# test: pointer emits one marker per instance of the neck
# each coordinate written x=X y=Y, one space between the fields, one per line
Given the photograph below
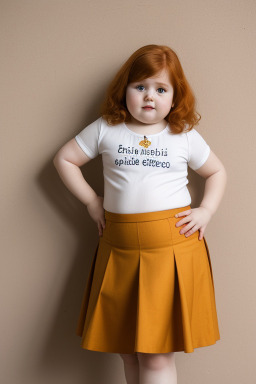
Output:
x=146 y=129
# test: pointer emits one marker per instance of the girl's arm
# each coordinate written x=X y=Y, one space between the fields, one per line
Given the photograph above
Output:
x=67 y=162
x=216 y=178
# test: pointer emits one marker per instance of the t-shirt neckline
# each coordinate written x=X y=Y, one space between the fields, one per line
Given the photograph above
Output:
x=142 y=135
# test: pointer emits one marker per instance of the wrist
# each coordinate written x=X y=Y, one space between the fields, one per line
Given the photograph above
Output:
x=210 y=210
x=92 y=199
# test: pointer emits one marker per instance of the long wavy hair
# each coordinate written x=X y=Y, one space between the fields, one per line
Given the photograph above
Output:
x=146 y=62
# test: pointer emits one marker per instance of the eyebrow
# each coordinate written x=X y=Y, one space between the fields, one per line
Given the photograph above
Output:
x=162 y=84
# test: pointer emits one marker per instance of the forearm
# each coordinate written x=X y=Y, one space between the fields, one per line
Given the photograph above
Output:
x=72 y=177
x=214 y=190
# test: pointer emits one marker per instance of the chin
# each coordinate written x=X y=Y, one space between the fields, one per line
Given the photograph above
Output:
x=150 y=121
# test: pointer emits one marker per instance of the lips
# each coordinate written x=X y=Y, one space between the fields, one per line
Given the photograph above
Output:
x=148 y=107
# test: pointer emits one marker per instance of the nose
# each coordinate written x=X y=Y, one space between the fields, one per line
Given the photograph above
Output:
x=149 y=95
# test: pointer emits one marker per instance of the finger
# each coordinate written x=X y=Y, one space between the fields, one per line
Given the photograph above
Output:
x=201 y=234
x=192 y=230
x=103 y=225
x=99 y=229
x=190 y=223
x=184 y=213
x=187 y=228
x=185 y=220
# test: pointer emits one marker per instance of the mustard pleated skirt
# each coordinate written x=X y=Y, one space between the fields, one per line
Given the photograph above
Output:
x=150 y=289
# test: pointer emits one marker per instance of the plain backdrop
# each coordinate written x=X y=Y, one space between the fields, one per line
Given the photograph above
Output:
x=57 y=57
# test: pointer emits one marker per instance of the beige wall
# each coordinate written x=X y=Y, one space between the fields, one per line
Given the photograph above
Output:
x=56 y=59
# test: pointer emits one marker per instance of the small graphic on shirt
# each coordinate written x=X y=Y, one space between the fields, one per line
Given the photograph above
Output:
x=145 y=143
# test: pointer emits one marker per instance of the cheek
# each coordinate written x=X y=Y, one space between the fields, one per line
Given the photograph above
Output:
x=167 y=104
x=131 y=99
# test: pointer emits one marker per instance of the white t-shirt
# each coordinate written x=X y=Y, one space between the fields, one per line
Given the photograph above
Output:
x=143 y=176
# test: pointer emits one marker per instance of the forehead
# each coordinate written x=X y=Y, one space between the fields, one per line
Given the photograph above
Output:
x=161 y=77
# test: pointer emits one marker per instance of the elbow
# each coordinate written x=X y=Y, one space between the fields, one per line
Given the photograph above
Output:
x=59 y=161
x=56 y=160
x=224 y=171
x=226 y=176
x=223 y=174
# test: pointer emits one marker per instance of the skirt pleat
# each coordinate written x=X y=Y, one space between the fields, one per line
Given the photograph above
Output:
x=149 y=288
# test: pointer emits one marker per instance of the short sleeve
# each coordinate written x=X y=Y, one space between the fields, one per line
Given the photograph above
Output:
x=88 y=139
x=198 y=149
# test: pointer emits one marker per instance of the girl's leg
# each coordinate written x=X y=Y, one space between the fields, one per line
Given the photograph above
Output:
x=131 y=367
x=157 y=368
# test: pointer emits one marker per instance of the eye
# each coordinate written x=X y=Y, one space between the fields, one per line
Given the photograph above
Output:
x=139 y=87
x=162 y=89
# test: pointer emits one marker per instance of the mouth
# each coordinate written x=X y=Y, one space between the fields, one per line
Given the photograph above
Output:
x=148 y=107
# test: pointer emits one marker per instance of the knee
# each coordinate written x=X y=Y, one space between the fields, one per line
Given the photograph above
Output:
x=156 y=361
x=129 y=358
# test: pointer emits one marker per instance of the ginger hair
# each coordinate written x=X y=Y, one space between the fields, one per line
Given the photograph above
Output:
x=146 y=62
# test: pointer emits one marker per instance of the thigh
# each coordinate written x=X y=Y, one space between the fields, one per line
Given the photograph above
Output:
x=129 y=358
x=156 y=360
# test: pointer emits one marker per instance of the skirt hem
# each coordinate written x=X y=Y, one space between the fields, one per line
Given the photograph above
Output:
x=146 y=351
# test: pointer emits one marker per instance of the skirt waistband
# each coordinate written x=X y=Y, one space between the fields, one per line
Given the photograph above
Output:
x=144 y=216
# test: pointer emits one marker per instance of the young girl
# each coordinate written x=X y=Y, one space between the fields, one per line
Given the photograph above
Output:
x=150 y=291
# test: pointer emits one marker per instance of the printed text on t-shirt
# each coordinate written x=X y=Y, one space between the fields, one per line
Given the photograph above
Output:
x=146 y=157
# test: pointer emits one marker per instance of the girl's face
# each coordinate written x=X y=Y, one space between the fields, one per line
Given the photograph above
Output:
x=149 y=101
